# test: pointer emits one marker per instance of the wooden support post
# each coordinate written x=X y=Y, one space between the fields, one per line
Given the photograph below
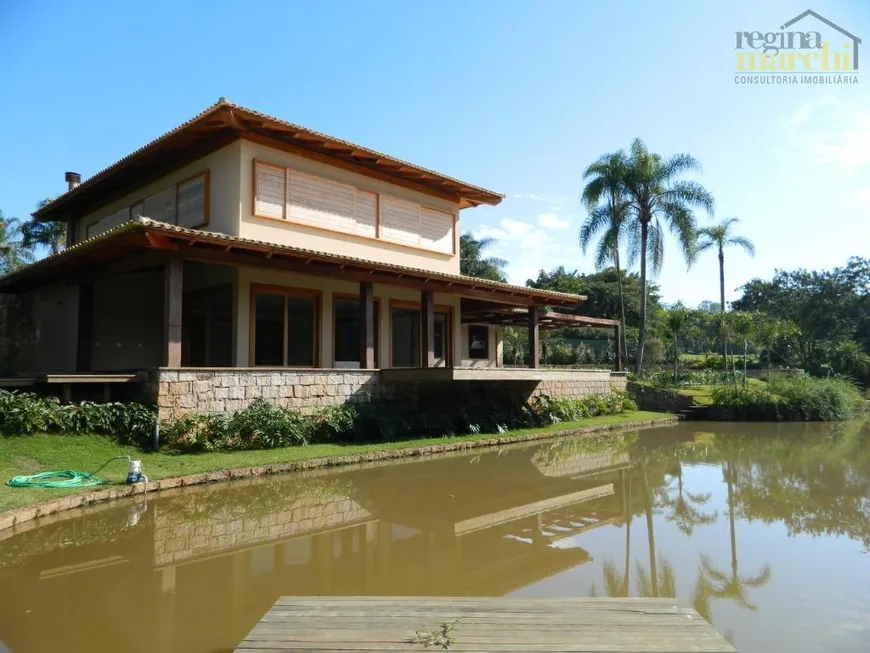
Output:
x=85 y=335
x=534 y=338
x=173 y=276
x=618 y=342
x=427 y=328
x=366 y=327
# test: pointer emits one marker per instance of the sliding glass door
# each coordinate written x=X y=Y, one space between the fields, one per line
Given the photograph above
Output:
x=284 y=327
x=405 y=338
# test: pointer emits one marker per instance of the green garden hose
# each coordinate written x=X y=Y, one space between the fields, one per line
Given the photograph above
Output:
x=65 y=478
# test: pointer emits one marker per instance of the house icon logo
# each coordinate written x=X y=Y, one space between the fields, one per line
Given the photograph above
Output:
x=808 y=49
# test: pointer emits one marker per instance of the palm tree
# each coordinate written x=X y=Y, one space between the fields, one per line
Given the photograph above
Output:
x=743 y=325
x=472 y=262
x=658 y=198
x=13 y=253
x=606 y=184
x=49 y=234
x=675 y=321
x=719 y=237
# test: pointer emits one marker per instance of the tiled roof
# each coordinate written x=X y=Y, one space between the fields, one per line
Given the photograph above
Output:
x=211 y=237
x=237 y=119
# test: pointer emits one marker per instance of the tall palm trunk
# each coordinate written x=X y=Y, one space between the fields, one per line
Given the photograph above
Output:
x=722 y=306
x=644 y=237
x=621 y=306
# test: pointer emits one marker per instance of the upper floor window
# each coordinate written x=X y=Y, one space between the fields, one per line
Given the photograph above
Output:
x=285 y=194
x=185 y=204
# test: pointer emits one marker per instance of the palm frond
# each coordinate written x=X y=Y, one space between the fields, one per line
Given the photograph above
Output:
x=745 y=243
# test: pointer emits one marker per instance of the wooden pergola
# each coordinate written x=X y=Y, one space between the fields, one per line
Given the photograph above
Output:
x=536 y=319
x=143 y=243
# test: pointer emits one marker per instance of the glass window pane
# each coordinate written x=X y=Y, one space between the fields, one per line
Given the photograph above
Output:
x=347 y=326
x=301 y=331
x=441 y=336
x=269 y=329
x=478 y=342
x=406 y=337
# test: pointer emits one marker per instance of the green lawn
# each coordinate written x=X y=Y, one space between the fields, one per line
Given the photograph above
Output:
x=703 y=394
x=86 y=453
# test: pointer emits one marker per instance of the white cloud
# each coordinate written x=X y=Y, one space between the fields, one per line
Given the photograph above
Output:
x=832 y=131
x=552 y=221
x=554 y=200
x=806 y=110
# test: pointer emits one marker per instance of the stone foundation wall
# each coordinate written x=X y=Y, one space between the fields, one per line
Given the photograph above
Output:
x=179 y=392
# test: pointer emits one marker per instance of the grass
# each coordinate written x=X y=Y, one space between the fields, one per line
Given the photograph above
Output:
x=86 y=453
x=703 y=394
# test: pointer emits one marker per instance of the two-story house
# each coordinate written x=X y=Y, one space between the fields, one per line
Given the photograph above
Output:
x=239 y=247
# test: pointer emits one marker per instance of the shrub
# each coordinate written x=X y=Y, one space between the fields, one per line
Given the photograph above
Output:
x=24 y=413
x=665 y=378
x=801 y=398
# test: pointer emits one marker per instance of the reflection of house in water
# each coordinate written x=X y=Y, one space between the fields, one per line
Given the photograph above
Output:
x=465 y=525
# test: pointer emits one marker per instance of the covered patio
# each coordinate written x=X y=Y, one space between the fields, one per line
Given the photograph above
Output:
x=150 y=260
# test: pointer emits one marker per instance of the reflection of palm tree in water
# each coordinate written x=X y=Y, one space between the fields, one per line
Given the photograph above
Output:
x=733 y=586
x=685 y=507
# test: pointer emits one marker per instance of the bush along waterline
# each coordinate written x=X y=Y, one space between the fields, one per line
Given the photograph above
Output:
x=264 y=425
x=802 y=398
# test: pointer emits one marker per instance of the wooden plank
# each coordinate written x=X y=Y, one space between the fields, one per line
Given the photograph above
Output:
x=534 y=338
x=482 y=624
x=366 y=326
x=427 y=328
x=173 y=284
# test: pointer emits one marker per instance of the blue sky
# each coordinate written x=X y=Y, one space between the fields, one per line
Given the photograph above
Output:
x=514 y=96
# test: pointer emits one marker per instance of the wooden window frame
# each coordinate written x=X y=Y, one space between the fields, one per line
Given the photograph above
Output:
x=378 y=237
x=254 y=189
x=206 y=207
x=376 y=299
x=439 y=308
x=286 y=291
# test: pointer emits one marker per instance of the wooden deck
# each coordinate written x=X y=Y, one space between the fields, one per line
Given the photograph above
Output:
x=483 y=624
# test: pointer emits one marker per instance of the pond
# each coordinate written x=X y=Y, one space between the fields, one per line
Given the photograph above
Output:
x=764 y=528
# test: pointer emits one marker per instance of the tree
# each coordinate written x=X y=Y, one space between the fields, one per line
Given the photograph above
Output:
x=658 y=198
x=826 y=308
x=604 y=198
x=743 y=325
x=675 y=321
x=48 y=234
x=719 y=237
x=13 y=253
x=472 y=262
x=601 y=290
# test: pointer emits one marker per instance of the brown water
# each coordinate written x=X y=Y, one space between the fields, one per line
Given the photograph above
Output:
x=764 y=528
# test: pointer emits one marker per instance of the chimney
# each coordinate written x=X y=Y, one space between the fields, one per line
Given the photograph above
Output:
x=73 y=179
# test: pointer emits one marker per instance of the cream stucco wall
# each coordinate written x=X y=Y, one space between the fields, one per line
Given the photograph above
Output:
x=384 y=293
x=224 y=199
x=287 y=233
